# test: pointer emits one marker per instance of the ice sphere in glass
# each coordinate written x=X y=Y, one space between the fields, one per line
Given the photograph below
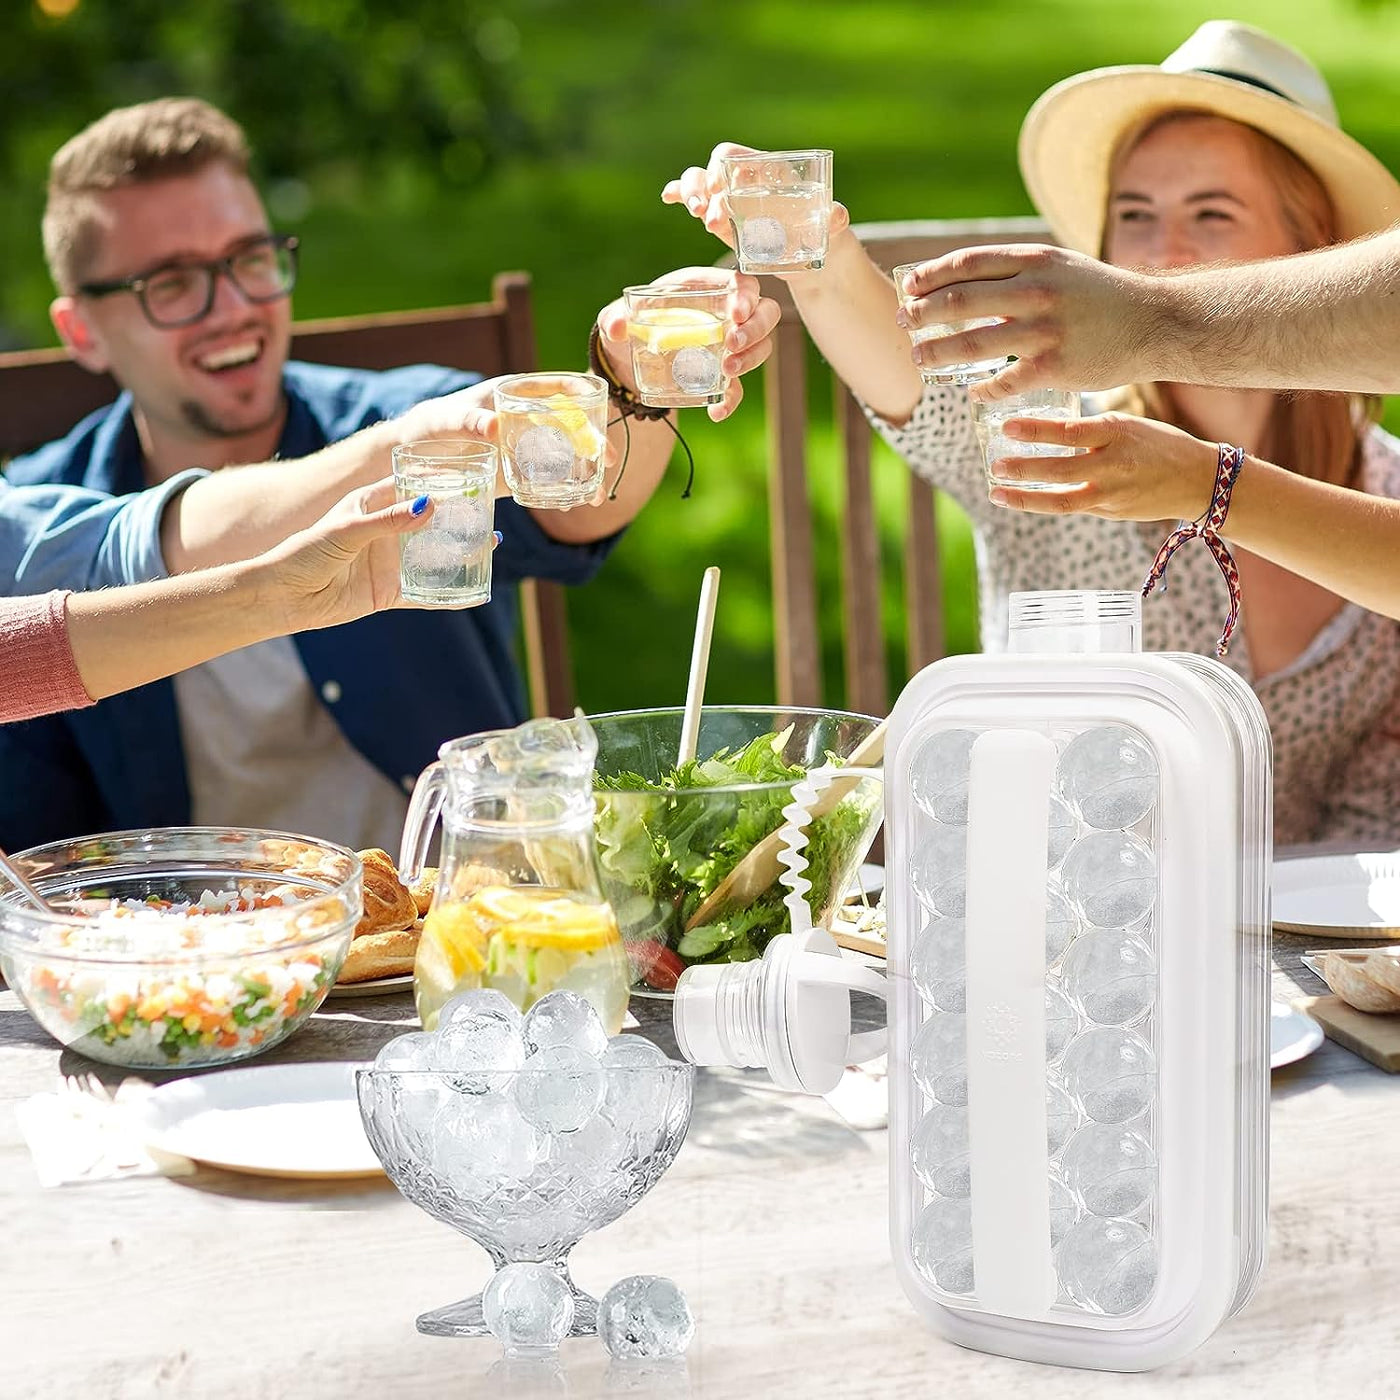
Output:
x=940 y=1148
x=1062 y=1114
x=939 y=964
x=645 y=1316
x=1061 y=922
x=1113 y=1168
x=942 y=1244
x=1109 y=1266
x=938 y=871
x=559 y=1089
x=938 y=1057
x=1113 y=1073
x=939 y=772
x=478 y=1033
x=564 y=1018
x=411 y=1051
x=1064 y=1209
x=1064 y=828
x=1112 y=877
x=1110 y=775
x=527 y=1307
x=1061 y=1021
x=1112 y=974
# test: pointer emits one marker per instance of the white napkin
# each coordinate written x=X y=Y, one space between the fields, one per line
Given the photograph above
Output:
x=83 y=1134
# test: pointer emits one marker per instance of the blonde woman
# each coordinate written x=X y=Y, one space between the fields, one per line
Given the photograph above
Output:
x=1230 y=151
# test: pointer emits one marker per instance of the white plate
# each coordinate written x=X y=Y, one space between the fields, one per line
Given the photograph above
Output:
x=1356 y=896
x=276 y=1120
x=1293 y=1035
x=375 y=987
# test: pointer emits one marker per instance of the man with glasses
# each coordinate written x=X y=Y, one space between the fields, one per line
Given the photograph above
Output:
x=170 y=278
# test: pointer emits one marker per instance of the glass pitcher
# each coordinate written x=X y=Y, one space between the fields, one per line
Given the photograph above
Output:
x=518 y=904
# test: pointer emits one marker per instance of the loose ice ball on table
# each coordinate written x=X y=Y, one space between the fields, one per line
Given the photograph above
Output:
x=527 y=1307
x=942 y=1244
x=645 y=1316
x=1112 y=974
x=939 y=964
x=1113 y=1168
x=938 y=871
x=1112 y=877
x=1110 y=775
x=940 y=1150
x=939 y=772
x=564 y=1018
x=559 y=1088
x=478 y=1040
x=1109 y=1266
x=1113 y=1072
x=938 y=1057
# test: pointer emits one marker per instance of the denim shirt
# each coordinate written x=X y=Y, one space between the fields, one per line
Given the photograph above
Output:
x=407 y=680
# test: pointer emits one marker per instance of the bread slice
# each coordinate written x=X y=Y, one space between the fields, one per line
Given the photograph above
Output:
x=388 y=954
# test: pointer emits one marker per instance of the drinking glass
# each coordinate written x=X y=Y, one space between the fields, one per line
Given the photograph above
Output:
x=677 y=336
x=553 y=435
x=447 y=563
x=989 y=420
x=967 y=373
x=780 y=209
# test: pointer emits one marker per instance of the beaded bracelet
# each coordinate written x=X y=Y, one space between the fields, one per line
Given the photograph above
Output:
x=1207 y=527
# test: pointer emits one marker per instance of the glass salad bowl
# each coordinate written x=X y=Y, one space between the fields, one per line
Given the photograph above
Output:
x=667 y=838
x=180 y=947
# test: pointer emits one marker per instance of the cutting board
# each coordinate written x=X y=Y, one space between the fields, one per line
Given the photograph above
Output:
x=1375 y=1038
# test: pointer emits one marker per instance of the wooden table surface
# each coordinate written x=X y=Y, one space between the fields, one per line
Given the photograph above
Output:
x=773 y=1221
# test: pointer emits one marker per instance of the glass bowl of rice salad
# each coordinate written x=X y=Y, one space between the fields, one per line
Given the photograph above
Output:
x=181 y=947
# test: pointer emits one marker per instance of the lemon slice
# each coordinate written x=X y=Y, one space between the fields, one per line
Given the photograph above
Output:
x=664 y=329
x=538 y=918
x=563 y=413
x=452 y=943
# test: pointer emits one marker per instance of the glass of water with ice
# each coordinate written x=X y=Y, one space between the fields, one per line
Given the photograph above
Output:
x=447 y=563
x=677 y=336
x=553 y=436
x=968 y=372
x=780 y=209
x=989 y=420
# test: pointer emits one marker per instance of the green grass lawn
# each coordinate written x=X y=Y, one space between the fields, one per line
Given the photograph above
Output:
x=921 y=103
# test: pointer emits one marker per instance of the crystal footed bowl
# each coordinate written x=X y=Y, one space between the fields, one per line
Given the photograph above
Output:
x=664 y=850
x=180 y=947
x=520 y=1168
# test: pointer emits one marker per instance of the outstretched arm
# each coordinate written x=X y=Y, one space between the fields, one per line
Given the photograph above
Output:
x=1323 y=320
x=1138 y=469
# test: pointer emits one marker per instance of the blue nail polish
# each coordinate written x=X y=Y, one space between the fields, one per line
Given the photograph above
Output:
x=419 y=506
x=498 y=535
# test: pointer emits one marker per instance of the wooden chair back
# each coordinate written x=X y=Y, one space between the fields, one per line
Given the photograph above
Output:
x=44 y=394
x=795 y=602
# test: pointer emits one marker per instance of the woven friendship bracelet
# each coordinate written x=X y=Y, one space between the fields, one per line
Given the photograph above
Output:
x=1207 y=528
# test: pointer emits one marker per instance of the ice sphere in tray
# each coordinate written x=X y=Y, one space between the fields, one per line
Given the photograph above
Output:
x=527 y=1308
x=1064 y=1209
x=645 y=1316
x=1063 y=831
x=1108 y=1266
x=1062 y=1116
x=478 y=1040
x=942 y=1244
x=939 y=772
x=1112 y=974
x=564 y=1018
x=938 y=1057
x=1113 y=1073
x=1061 y=1021
x=559 y=1089
x=1061 y=922
x=938 y=871
x=1112 y=877
x=1110 y=775
x=1113 y=1168
x=411 y=1051
x=939 y=964
x=939 y=1152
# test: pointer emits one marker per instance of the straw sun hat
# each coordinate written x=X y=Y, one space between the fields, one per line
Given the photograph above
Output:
x=1070 y=136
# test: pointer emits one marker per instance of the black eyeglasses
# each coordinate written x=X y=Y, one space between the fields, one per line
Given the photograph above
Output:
x=263 y=269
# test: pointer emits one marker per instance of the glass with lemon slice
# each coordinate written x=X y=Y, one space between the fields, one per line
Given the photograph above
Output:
x=677 y=336
x=553 y=435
